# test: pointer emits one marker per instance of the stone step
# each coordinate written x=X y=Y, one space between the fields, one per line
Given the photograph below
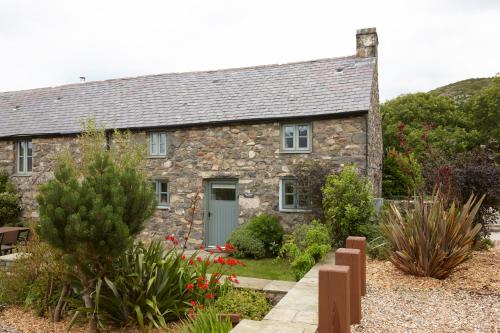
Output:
x=270 y=326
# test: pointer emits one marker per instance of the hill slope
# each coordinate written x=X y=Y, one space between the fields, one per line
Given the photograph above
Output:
x=461 y=90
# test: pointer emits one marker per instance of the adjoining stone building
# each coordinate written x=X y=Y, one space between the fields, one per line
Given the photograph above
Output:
x=236 y=134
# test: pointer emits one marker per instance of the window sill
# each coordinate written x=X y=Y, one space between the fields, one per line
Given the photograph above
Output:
x=156 y=156
x=296 y=151
x=163 y=207
x=293 y=210
x=22 y=174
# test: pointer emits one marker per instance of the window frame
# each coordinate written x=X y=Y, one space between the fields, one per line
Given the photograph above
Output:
x=296 y=194
x=155 y=143
x=24 y=143
x=158 y=192
x=296 y=148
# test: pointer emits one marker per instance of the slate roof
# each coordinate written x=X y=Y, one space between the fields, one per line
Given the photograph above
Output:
x=310 y=88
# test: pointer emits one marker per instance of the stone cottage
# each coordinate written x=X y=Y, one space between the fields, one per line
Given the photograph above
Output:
x=234 y=133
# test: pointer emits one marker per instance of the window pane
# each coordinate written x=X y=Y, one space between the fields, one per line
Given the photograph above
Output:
x=303 y=130
x=154 y=144
x=164 y=187
x=226 y=194
x=288 y=131
x=303 y=201
x=163 y=143
x=302 y=142
x=163 y=199
x=289 y=187
x=21 y=148
x=30 y=148
x=289 y=200
x=20 y=164
x=288 y=142
x=30 y=164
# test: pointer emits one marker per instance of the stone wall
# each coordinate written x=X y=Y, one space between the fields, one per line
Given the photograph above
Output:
x=375 y=151
x=247 y=152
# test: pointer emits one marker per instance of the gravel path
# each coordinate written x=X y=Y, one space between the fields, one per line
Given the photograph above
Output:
x=436 y=310
x=7 y=329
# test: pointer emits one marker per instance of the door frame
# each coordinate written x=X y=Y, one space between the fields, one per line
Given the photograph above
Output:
x=206 y=202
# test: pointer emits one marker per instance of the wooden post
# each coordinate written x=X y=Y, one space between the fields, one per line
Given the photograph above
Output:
x=351 y=258
x=333 y=300
x=359 y=243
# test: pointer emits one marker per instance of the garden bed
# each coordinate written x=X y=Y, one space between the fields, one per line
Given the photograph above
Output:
x=269 y=268
x=467 y=301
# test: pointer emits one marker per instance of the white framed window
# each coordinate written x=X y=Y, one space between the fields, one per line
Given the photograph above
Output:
x=296 y=138
x=162 y=191
x=24 y=149
x=158 y=144
x=293 y=196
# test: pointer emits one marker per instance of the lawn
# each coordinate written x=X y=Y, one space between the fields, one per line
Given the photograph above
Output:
x=269 y=268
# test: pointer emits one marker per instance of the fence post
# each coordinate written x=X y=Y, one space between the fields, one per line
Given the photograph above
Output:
x=351 y=258
x=334 y=299
x=354 y=242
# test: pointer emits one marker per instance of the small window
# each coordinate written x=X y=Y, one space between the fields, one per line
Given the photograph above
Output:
x=293 y=196
x=162 y=190
x=24 y=156
x=296 y=138
x=158 y=144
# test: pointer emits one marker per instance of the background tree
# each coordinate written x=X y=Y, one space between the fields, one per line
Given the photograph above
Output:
x=92 y=210
x=10 y=203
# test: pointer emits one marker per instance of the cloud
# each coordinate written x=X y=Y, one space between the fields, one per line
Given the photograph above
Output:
x=423 y=44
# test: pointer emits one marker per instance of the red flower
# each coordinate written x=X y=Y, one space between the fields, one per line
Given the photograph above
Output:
x=191 y=262
x=172 y=239
x=189 y=287
x=193 y=303
x=210 y=296
x=219 y=248
x=207 y=262
x=201 y=279
x=199 y=259
x=221 y=260
x=183 y=258
x=212 y=251
x=202 y=247
x=227 y=248
x=203 y=286
x=216 y=274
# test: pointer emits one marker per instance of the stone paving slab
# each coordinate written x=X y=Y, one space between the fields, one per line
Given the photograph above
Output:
x=270 y=326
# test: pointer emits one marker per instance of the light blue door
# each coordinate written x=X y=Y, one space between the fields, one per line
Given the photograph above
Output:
x=222 y=210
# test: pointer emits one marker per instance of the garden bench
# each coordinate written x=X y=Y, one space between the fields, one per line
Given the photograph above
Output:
x=9 y=236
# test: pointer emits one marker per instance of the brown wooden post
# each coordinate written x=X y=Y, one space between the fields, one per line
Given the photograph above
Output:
x=334 y=299
x=351 y=258
x=359 y=243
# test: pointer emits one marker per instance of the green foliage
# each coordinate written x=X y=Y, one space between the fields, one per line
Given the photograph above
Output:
x=92 y=211
x=268 y=230
x=402 y=174
x=431 y=240
x=424 y=120
x=305 y=246
x=483 y=112
x=249 y=304
x=10 y=203
x=205 y=321
x=462 y=90
x=347 y=203
x=246 y=244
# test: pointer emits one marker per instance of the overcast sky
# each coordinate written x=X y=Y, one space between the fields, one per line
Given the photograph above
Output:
x=423 y=43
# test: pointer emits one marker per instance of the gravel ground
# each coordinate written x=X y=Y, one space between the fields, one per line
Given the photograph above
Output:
x=467 y=301
x=7 y=329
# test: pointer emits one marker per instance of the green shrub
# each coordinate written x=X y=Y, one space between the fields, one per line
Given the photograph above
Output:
x=250 y=304
x=347 y=203
x=305 y=246
x=10 y=203
x=205 y=321
x=268 y=230
x=379 y=248
x=402 y=174
x=246 y=244
x=431 y=239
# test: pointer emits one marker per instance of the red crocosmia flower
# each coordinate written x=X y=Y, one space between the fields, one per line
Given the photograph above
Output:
x=216 y=280
x=191 y=262
x=203 y=286
x=227 y=248
x=199 y=259
x=233 y=275
x=236 y=281
x=212 y=251
x=221 y=260
x=202 y=247
x=183 y=258
x=210 y=296
x=216 y=274
x=219 y=248
x=207 y=262
x=200 y=306
x=193 y=303
x=201 y=279
x=190 y=286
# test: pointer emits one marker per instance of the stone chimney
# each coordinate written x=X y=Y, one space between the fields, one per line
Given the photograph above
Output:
x=366 y=43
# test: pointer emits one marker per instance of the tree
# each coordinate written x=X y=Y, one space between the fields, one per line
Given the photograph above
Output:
x=92 y=210
x=347 y=203
x=402 y=174
x=10 y=204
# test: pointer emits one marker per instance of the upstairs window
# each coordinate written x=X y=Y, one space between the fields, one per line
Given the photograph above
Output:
x=24 y=150
x=293 y=196
x=158 y=144
x=296 y=138
x=162 y=191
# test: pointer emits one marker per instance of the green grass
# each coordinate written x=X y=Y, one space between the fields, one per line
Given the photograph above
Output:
x=268 y=268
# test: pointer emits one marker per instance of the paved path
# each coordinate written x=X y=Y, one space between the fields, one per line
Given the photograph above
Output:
x=297 y=312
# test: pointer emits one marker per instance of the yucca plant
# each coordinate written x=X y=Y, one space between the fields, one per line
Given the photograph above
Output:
x=207 y=320
x=432 y=239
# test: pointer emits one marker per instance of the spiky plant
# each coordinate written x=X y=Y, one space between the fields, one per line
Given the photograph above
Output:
x=431 y=239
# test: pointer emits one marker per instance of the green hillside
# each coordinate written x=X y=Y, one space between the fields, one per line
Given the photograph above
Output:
x=461 y=90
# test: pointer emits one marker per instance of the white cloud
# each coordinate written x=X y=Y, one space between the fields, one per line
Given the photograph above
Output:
x=423 y=44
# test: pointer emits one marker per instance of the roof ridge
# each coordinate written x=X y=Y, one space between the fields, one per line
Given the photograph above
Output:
x=188 y=72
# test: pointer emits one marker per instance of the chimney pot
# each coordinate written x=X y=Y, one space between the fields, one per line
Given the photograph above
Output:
x=82 y=79
x=366 y=43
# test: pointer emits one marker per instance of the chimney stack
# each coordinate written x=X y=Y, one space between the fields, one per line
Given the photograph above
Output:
x=366 y=43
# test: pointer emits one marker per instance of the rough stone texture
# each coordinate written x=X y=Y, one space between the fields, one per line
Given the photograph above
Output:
x=247 y=152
